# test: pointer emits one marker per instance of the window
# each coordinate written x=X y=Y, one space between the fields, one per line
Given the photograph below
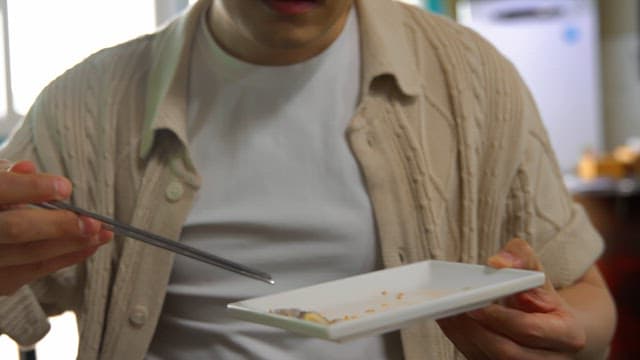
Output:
x=3 y=75
x=48 y=37
x=5 y=110
x=61 y=343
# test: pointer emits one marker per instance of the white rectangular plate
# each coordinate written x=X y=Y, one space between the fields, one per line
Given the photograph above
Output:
x=389 y=299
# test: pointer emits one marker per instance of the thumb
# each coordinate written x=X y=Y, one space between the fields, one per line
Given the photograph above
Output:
x=518 y=254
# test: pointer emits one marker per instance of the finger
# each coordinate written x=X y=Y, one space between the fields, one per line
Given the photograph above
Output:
x=532 y=330
x=14 y=277
x=6 y=165
x=105 y=235
x=23 y=167
x=535 y=300
x=47 y=267
x=478 y=342
x=38 y=251
x=516 y=254
x=461 y=331
x=26 y=225
x=16 y=188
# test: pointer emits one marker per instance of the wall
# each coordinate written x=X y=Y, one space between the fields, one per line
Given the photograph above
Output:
x=621 y=69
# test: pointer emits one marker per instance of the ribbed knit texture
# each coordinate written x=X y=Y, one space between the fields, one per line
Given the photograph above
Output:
x=453 y=153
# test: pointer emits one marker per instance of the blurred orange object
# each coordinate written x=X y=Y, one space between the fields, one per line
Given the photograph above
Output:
x=588 y=166
x=622 y=162
x=626 y=155
x=609 y=167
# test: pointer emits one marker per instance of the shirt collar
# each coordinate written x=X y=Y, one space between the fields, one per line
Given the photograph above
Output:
x=385 y=45
x=385 y=51
x=166 y=103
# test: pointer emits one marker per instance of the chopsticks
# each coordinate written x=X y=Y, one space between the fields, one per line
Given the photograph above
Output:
x=161 y=242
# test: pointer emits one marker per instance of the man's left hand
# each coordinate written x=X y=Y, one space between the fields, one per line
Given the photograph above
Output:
x=535 y=324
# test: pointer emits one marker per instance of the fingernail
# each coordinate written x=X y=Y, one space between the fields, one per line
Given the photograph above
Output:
x=62 y=188
x=105 y=236
x=81 y=226
x=512 y=259
x=95 y=240
x=84 y=225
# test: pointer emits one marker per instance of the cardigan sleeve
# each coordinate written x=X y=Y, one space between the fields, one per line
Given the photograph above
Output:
x=557 y=227
x=539 y=208
x=22 y=318
x=23 y=315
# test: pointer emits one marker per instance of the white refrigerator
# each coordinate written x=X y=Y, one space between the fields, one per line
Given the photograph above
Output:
x=554 y=45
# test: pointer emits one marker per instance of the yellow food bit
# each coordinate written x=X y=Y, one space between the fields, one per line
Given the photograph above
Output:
x=303 y=315
x=400 y=296
x=370 y=310
x=314 y=317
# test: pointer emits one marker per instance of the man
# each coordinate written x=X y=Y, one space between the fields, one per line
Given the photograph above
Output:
x=314 y=140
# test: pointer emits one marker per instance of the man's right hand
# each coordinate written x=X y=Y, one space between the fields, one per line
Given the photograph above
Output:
x=35 y=242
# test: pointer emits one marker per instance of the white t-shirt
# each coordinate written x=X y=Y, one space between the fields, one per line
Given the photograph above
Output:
x=281 y=192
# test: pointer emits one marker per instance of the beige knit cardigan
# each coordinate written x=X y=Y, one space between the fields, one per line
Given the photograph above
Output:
x=454 y=156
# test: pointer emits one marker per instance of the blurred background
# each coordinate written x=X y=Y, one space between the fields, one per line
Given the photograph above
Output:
x=581 y=59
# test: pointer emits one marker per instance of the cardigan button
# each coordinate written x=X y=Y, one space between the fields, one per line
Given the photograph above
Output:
x=174 y=191
x=138 y=316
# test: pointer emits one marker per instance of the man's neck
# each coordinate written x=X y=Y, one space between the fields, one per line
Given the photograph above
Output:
x=238 y=43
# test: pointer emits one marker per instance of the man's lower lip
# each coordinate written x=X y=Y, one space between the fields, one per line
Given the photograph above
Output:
x=292 y=7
